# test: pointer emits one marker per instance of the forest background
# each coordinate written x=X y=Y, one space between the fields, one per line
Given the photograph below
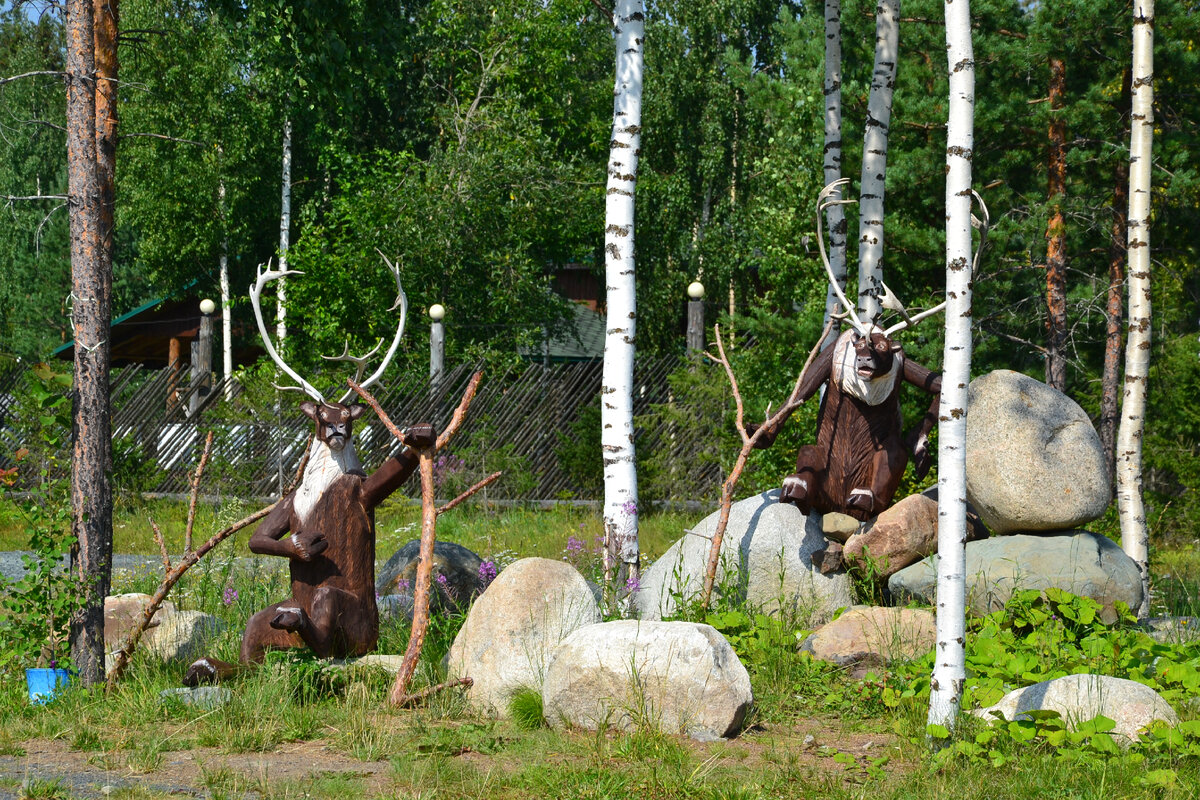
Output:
x=468 y=141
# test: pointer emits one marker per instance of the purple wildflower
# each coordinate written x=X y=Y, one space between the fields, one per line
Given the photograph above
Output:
x=629 y=507
x=574 y=546
x=403 y=585
x=487 y=573
x=229 y=596
x=632 y=584
x=441 y=579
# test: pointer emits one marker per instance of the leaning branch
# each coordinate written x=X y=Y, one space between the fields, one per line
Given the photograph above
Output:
x=488 y=481
x=748 y=441
x=174 y=574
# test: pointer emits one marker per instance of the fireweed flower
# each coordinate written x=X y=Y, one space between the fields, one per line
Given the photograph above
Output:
x=230 y=595
x=629 y=507
x=632 y=584
x=487 y=573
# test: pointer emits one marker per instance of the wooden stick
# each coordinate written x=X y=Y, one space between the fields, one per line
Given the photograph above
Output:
x=191 y=518
x=429 y=691
x=748 y=442
x=420 y=623
x=162 y=545
x=173 y=575
x=488 y=481
x=429 y=512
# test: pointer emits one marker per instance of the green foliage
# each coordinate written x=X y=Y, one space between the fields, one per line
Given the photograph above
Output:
x=37 y=608
x=525 y=707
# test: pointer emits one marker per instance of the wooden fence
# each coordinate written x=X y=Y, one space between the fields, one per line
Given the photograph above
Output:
x=540 y=424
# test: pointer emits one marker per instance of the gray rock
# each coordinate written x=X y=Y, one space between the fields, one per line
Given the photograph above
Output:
x=674 y=677
x=765 y=561
x=1079 y=698
x=1173 y=630
x=1079 y=562
x=185 y=635
x=206 y=697
x=874 y=636
x=1034 y=461
x=458 y=565
x=506 y=641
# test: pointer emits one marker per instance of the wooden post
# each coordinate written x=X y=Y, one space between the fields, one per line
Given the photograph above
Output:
x=202 y=359
x=174 y=365
x=437 y=345
x=695 y=318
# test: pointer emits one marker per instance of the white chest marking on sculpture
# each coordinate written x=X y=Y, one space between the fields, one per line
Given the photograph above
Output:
x=324 y=467
x=871 y=391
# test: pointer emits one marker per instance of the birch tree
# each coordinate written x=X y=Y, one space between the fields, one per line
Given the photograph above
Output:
x=285 y=226
x=1135 y=535
x=616 y=413
x=874 y=161
x=949 y=669
x=836 y=213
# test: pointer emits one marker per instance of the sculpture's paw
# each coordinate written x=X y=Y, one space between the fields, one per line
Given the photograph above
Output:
x=862 y=500
x=309 y=544
x=206 y=670
x=289 y=619
x=795 y=490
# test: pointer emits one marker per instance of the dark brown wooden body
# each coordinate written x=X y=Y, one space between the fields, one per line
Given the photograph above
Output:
x=860 y=447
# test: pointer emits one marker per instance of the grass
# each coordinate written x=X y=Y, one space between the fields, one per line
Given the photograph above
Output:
x=814 y=732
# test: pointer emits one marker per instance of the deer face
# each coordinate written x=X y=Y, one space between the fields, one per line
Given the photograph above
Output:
x=334 y=422
x=874 y=354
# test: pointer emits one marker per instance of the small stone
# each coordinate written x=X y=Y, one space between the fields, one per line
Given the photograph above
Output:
x=828 y=560
x=107 y=789
x=839 y=527
x=808 y=741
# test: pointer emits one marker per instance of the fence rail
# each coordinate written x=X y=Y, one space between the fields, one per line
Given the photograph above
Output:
x=535 y=422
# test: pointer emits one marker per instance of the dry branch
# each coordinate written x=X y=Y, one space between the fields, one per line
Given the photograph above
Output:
x=429 y=691
x=748 y=441
x=174 y=574
x=398 y=696
x=488 y=481
x=191 y=518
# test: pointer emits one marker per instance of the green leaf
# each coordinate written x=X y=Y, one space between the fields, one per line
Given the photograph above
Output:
x=935 y=731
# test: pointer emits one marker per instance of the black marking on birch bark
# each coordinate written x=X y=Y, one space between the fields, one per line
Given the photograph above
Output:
x=613 y=332
x=628 y=177
x=619 y=230
x=632 y=130
x=966 y=63
x=615 y=190
x=636 y=16
x=957 y=264
x=616 y=143
x=835 y=86
x=613 y=251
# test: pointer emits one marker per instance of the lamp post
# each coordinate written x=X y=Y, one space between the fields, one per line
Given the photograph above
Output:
x=202 y=358
x=437 y=344
x=695 y=317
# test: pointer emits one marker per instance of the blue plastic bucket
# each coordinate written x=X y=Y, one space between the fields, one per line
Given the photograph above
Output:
x=44 y=683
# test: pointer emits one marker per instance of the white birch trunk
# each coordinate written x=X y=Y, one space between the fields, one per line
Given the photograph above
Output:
x=949 y=668
x=874 y=162
x=1135 y=535
x=285 y=224
x=226 y=310
x=616 y=411
x=835 y=216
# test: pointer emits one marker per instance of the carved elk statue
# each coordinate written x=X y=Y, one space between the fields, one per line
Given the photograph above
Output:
x=326 y=527
x=860 y=455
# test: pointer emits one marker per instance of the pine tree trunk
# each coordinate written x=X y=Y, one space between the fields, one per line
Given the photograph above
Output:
x=1056 y=260
x=874 y=162
x=616 y=414
x=949 y=669
x=1135 y=535
x=91 y=287
x=1110 y=380
x=285 y=225
x=835 y=215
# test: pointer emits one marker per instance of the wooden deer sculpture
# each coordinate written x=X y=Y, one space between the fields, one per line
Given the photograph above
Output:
x=326 y=527
x=856 y=465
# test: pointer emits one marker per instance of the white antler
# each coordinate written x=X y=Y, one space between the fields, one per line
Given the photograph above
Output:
x=261 y=280
x=402 y=303
x=890 y=301
x=835 y=188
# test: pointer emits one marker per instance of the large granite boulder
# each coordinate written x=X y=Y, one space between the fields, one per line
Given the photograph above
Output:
x=123 y=614
x=1034 y=461
x=1079 y=698
x=674 y=677
x=871 y=636
x=455 y=573
x=765 y=561
x=506 y=641
x=185 y=636
x=1079 y=562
